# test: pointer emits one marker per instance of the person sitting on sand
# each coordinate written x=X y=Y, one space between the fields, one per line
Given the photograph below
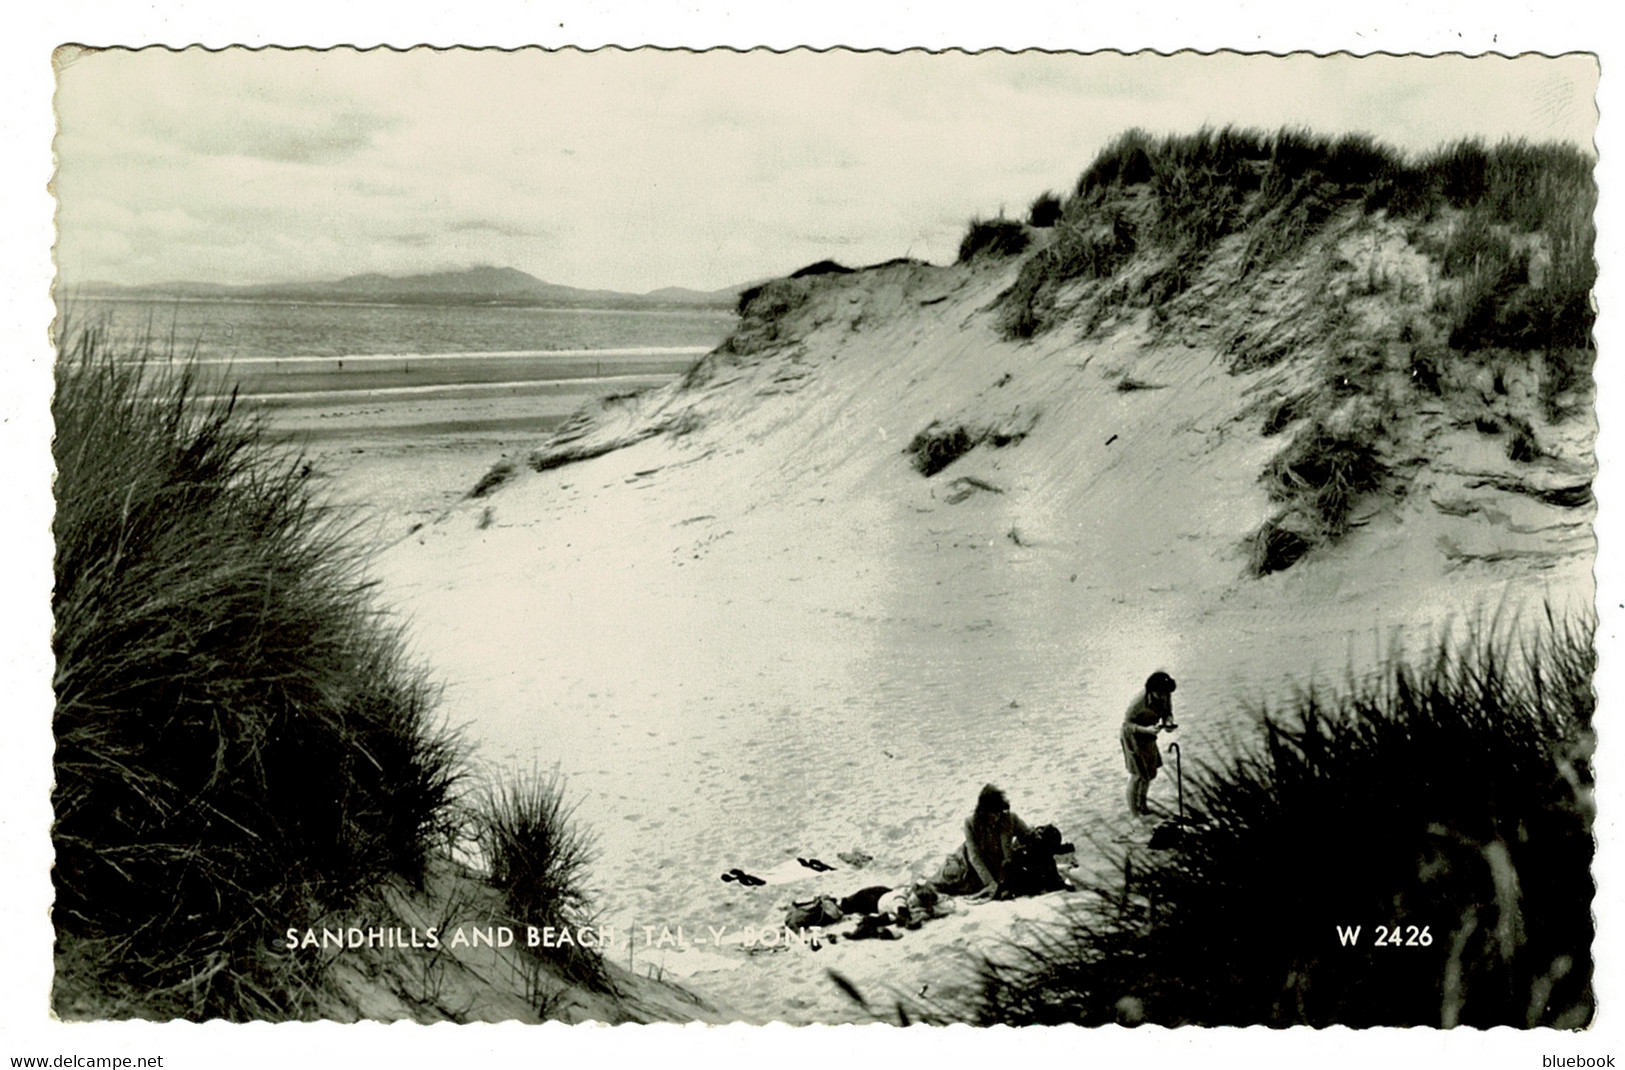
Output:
x=977 y=869
x=1151 y=712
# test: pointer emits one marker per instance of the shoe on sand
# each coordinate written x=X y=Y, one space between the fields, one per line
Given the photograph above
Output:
x=873 y=927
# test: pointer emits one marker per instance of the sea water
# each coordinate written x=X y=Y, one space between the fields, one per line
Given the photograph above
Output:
x=235 y=330
x=427 y=367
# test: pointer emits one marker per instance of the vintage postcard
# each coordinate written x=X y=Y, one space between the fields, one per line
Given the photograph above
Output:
x=645 y=535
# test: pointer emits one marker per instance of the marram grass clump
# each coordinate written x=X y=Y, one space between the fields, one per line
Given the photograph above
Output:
x=996 y=237
x=241 y=745
x=1519 y=261
x=1318 y=479
x=1443 y=808
x=1185 y=232
x=537 y=856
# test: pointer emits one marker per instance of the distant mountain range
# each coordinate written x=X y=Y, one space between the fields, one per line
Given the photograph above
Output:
x=474 y=286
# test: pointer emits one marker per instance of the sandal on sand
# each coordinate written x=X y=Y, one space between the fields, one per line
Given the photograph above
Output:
x=815 y=865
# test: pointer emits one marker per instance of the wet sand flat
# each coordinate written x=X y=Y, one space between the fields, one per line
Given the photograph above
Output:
x=296 y=379
x=398 y=450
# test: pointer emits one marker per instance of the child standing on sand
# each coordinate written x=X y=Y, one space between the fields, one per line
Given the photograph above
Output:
x=1152 y=711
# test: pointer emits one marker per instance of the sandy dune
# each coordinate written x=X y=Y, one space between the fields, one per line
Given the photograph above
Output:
x=765 y=635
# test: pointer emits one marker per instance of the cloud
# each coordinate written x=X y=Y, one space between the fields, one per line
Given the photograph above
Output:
x=634 y=170
x=278 y=106
x=492 y=226
x=319 y=138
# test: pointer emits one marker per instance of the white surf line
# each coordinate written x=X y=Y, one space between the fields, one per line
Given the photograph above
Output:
x=501 y=354
x=532 y=385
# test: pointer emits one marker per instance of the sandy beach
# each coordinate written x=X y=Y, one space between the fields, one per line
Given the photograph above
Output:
x=771 y=638
x=756 y=454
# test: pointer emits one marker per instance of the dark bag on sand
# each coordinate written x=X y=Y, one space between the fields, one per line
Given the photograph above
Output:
x=864 y=901
x=1031 y=869
x=808 y=913
x=956 y=877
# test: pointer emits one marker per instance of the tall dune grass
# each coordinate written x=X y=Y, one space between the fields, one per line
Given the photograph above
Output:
x=537 y=857
x=241 y=745
x=1505 y=233
x=1452 y=794
x=998 y=237
x=1280 y=189
x=1045 y=211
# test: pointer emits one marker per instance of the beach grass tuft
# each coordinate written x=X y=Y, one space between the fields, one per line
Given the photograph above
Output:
x=996 y=237
x=1045 y=211
x=242 y=746
x=495 y=476
x=537 y=856
x=1519 y=250
x=937 y=447
x=1323 y=472
x=1443 y=807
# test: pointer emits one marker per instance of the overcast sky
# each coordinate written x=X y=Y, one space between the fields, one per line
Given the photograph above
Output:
x=636 y=170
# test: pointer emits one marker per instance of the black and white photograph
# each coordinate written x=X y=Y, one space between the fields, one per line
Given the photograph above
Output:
x=1042 y=536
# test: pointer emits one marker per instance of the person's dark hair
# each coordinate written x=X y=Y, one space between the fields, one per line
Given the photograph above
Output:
x=1160 y=683
x=991 y=801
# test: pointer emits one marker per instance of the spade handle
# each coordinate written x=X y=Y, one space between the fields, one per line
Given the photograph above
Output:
x=1179 y=778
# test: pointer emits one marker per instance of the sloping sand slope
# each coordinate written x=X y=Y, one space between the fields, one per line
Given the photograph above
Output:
x=747 y=629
